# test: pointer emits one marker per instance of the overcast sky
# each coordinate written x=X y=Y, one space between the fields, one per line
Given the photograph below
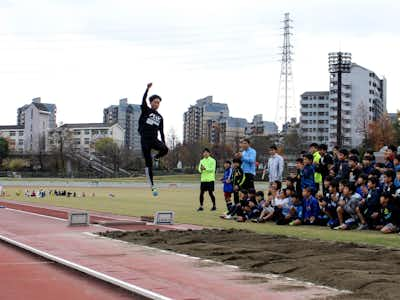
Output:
x=85 y=55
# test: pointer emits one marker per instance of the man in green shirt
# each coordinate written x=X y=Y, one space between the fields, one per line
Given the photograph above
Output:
x=207 y=169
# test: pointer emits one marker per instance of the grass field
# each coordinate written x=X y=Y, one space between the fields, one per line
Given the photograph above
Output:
x=184 y=202
x=189 y=178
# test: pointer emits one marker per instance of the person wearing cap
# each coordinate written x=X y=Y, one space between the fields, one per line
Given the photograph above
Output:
x=207 y=169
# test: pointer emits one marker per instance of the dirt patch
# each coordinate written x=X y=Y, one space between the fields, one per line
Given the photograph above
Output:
x=369 y=272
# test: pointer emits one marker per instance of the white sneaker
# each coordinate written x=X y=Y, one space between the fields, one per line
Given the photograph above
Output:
x=340 y=227
x=362 y=227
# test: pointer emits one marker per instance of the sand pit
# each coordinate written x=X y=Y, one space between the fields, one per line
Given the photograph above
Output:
x=369 y=272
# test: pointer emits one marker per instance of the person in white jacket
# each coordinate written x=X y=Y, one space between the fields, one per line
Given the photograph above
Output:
x=275 y=165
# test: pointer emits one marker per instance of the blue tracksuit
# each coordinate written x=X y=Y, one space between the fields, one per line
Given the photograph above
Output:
x=307 y=177
x=228 y=187
x=299 y=211
x=311 y=208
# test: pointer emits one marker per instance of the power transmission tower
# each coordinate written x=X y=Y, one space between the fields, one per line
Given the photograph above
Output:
x=286 y=103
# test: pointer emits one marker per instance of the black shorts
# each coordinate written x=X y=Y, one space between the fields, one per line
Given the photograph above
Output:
x=207 y=186
x=248 y=181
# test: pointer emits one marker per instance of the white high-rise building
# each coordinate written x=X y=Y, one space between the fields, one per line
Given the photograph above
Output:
x=314 y=117
x=36 y=128
x=363 y=101
x=127 y=115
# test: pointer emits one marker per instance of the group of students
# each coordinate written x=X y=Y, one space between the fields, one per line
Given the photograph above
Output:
x=41 y=193
x=340 y=189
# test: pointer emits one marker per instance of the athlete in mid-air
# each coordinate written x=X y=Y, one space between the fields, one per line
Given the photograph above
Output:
x=150 y=123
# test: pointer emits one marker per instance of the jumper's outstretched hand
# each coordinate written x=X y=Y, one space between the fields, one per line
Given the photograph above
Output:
x=149 y=85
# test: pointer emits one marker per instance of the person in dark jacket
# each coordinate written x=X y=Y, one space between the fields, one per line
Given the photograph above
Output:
x=150 y=124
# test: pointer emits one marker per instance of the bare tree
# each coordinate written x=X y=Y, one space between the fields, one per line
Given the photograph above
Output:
x=363 y=123
x=61 y=144
x=381 y=132
x=109 y=150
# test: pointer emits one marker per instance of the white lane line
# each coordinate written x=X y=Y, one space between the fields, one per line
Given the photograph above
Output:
x=58 y=219
x=35 y=214
x=122 y=284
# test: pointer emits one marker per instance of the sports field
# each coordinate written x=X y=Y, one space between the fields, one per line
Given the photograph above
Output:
x=184 y=202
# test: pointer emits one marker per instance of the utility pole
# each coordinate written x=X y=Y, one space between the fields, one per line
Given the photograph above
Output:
x=339 y=63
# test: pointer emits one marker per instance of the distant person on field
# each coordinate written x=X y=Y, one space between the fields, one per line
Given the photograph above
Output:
x=238 y=179
x=275 y=165
x=313 y=149
x=207 y=169
x=227 y=182
x=248 y=157
x=307 y=174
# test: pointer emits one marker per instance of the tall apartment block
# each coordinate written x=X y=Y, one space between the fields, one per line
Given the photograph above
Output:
x=127 y=116
x=363 y=101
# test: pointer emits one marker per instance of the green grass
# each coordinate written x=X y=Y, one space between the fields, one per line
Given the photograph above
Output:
x=138 y=202
x=189 y=178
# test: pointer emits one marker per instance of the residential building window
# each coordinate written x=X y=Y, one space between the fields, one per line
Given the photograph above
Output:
x=87 y=141
x=87 y=131
x=21 y=133
x=12 y=133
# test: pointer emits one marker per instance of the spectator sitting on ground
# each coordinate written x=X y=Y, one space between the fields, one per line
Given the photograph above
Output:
x=347 y=212
x=251 y=209
x=369 y=206
x=322 y=218
x=389 y=214
x=296 y=210
x=325 y=188
x=388 y=182
x=267 y=211
x=283 y=215
x=299 y=169
x=355 y=169
x=329 y=208
x=311 y=209
x=362 y=185
x=238 y=208
x=367 y=166
x=396 y=163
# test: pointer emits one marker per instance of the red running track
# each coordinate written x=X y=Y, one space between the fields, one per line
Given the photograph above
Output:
x=171 y=275
x=25 y=276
